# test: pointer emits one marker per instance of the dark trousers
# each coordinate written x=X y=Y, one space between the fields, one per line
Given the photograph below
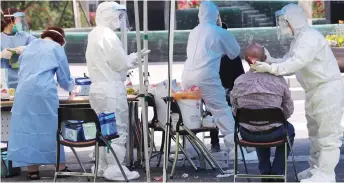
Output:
x=214 y=137
x=265 y=166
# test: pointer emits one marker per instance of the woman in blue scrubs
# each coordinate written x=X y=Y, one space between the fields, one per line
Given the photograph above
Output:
x=32 y=139
x=13 y=36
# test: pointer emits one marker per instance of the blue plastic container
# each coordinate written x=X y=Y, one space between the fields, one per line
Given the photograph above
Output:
x=108 y=124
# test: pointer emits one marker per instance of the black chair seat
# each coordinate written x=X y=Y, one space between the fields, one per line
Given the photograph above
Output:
x=272 y=116
x=261 y=144
x=78 y=144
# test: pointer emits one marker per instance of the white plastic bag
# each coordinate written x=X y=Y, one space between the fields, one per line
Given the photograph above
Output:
x=191 y=113
x=159 y=91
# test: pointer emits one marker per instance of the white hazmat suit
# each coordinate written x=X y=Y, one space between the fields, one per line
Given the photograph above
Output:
x=107 y=65
x=311 y=59
x=207 y=43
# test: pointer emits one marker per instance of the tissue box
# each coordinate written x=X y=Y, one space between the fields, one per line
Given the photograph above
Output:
x=73 y=131
x=89 y=131
x=84 y=86
x=108 y=124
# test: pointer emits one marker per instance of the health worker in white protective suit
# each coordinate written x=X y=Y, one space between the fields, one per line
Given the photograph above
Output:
x=311 y=59
x=107 y=65
x=207 y=43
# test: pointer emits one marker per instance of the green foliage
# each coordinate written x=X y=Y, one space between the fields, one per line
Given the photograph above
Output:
x=335 y=40
x=41 y=14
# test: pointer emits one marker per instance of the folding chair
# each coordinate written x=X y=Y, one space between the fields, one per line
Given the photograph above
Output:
x=154 y=126
x=272 y=116
x=200 y=148
x=86 y=116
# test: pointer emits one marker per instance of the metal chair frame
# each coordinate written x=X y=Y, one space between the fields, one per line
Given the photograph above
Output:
x=86 y=115
x=272 y=115
x=156 y=126
x=199 y=146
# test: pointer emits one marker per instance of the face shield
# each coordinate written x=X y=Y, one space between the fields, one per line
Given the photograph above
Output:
x=282 y=25
x=121 y=20
x=20 y=22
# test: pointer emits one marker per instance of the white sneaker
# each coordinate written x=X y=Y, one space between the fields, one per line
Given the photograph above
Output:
x=320 y=176
x=228 y=140
x=306 y=174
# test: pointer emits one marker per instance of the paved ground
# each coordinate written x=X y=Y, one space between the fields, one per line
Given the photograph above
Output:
x=199 y=176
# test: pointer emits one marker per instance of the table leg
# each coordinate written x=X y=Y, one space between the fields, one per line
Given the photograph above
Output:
x=129 y=144
x=5 y=125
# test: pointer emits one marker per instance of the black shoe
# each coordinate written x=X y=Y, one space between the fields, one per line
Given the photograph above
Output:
x=215 y=148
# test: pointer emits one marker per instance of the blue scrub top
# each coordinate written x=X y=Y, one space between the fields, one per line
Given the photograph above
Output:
x=34 y=120
x=13 y=41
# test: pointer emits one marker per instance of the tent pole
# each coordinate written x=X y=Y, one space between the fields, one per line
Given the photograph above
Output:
x=142 y=92
x=124 y=35
x=145 y=43
x=169 y=98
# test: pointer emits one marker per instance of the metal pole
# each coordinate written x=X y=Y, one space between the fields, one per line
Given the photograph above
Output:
x=145 y=43
x=142 y=92
x=77 y=22
x=170 y=64
x=145 y=69
x=129 y=152
x=86 y=16
x=124 y=35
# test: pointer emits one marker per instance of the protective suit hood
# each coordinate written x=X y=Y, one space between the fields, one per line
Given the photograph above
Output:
x=107 y=15
x=296 y=17
x=208 y=12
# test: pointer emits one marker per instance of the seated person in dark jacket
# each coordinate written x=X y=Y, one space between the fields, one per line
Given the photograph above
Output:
x=229 y=71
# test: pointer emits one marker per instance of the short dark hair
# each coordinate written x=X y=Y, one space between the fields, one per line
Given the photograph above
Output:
x=54 y=35
x=5 y=21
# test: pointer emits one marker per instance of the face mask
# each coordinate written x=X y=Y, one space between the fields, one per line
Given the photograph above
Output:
x=19 y=26
x=15 y=29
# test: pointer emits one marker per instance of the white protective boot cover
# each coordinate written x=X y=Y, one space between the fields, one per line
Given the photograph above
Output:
x=113 y=171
